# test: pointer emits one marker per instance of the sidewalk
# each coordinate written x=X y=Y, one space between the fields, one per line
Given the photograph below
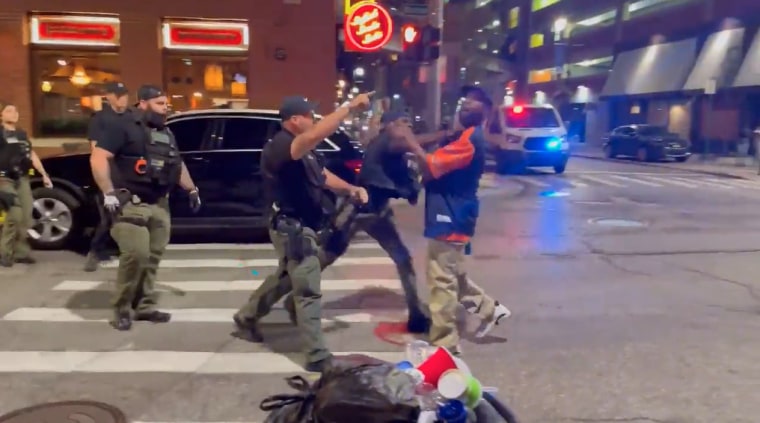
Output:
x=742 y=168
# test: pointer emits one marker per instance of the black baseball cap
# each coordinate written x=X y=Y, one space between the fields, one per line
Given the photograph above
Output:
x=389 y=117
x=149 y=92
x=116 y=88
x=296 y=106
x=477 y=93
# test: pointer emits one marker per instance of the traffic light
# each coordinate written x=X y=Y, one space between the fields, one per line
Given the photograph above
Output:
x=431 y=41
x=411 y=45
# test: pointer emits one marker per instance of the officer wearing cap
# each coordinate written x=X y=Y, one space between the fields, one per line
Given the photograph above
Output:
x=17 y=162
x=452 y=174
x=117 y=99
x=294 y=180
x=146 y=166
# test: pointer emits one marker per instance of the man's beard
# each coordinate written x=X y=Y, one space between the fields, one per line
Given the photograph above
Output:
x=471 y=118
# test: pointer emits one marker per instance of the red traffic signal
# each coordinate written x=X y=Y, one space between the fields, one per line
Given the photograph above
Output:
x=410 y=34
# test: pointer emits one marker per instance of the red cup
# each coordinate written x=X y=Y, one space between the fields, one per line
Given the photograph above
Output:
x=437 y=364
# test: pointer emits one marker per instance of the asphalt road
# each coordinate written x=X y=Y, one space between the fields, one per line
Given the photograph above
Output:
x=633 y=290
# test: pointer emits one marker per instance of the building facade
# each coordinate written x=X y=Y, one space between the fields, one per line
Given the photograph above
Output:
x=690 y=65
x=57 y=55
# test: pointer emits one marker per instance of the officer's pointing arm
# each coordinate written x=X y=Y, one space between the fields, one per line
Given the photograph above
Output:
x=303 y=143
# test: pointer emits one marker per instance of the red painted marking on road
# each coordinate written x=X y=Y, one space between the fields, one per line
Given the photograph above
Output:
x=394 y=333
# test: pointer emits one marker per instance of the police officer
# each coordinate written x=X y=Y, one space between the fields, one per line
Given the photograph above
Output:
x=295 y=179
x=17 y=161
x=452 y=174
x=117 y=100
x=147 y=165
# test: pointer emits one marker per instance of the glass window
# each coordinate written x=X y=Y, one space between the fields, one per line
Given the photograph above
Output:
x=67 y=88
x=190 y=133
x=530 y=117
x=514 y=17
x=247 y=133
x=201 y=82
x=536 y=40
x=541 y=4
x=645 y=7
x=651 y=130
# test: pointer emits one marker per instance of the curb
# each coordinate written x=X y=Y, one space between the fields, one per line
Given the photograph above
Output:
x=664 y=166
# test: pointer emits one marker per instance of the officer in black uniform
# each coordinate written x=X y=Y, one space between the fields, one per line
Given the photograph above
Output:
x=17 y=162
x=117 y=101
x=147 y=165
x=295 y=179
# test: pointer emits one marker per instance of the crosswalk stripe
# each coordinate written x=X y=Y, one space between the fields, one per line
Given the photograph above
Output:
x=255 y=247
x=532 y=181
x=704 y=182
x=601 y=181
x=232 y=263
x=191 y=362
x=187 y=315
x=238 y=285
x=671 y=182
x=575 y=184
x=739 y=183
x=637 y=181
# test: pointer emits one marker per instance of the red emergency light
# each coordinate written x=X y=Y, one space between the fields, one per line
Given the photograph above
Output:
x=517 y=110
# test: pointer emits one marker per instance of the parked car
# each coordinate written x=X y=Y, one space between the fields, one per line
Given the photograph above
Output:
x=647 y=143
x=530 y=136
x=221 y=148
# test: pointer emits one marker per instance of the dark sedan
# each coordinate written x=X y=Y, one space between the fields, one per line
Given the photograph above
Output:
x=647 y=143
x=221 y=148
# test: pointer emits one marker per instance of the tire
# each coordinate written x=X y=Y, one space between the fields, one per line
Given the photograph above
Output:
x=47 y=231
x=643 y=155
x=560 y=168
x=682 y=159
x=609 y=152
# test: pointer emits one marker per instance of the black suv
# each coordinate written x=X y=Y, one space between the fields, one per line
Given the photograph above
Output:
x=221 y=148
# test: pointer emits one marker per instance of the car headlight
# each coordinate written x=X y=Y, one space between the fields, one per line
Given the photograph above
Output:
x=514 y=139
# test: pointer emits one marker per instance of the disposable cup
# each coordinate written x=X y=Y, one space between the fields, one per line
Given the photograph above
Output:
x=453 y=384
x=436 y=365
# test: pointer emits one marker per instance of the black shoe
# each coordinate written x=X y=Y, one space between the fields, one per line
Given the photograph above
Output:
x=246 y=332
x=153 y=316
x=6 y=262
x=319 y=366
x=122 y=322
x=91 y=263
x=26 y=260
x=418 y=323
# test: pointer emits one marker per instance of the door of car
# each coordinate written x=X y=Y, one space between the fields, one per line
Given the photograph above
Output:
x=234 y=167
x=192 y=134
x=624 y=138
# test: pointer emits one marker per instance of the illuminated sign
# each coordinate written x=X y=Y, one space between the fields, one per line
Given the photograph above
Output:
x=368 y=27
x=74 y=30
x=217 y=36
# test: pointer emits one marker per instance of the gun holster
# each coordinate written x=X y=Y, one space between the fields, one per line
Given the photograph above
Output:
x=297 y=245
x=336 y=235
x=7 y=200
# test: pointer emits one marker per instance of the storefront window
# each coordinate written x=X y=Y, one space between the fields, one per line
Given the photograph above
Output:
x=198 y=82
x=67 y=89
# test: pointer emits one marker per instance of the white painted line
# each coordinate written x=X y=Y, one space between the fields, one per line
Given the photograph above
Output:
x=187 y=315
x=671 y=181
x=231 y=263
x=160 y=362
x=704 y=182
x=239 y=285
x=576 y=184
x=739 y=183
x=532 y=181
x=601 y=181
x=637 y=181
x=256 y=247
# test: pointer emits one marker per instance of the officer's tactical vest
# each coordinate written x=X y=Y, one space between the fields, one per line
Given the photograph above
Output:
x=15 y=154
x=387 y=174
x=451 y=201
x=291 y=200
x=157 y=170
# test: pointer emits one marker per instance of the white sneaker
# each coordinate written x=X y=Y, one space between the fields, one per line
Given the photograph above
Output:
x=500 y=312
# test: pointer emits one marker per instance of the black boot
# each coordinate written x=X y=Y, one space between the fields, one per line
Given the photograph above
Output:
x=246 y=331
x=418 y=323
x=6 y=261
x=319 y=366
x=122 y=321
x=154 y=316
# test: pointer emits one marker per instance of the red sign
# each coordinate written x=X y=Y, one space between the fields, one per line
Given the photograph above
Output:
x=368 y=27
x=221 y=36
x=75 y=30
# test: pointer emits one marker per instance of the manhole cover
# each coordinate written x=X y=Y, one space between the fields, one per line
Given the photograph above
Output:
x=68 y=411
x=618 y=223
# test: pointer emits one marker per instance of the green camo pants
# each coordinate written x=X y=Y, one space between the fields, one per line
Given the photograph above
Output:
x=305 y=283
x=142 y=232
x=18 y=219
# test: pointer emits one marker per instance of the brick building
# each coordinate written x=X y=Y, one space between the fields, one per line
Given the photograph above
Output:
x=56 y=55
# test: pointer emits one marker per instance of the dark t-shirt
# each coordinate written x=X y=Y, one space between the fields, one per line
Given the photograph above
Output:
x=100 y=121
x=286 y=181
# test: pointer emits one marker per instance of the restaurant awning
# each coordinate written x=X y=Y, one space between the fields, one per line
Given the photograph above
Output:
x=718 y=62
x=749 y=73
x=659 y=68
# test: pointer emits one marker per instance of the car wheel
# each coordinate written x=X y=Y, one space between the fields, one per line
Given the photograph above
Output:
x=609 y=152
x=642 y=154
x=682 y=159
x=560 y=168
x=54 y=223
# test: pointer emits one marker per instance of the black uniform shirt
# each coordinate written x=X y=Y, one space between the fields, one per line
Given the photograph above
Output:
x=100 y=122
x=286 y=181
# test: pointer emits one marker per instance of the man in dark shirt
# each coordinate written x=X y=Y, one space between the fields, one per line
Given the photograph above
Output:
x=294 y=179
x=117 y=99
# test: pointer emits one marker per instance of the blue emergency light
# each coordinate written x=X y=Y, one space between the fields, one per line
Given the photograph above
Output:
x=554 y=144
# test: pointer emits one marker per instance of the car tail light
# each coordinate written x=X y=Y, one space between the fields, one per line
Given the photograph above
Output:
x=354 y=165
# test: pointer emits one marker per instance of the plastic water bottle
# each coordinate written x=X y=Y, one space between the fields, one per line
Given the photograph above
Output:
x=417 y=352
x=453 y=411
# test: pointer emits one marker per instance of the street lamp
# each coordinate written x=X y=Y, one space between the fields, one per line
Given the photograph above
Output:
x=560 y=25
x=359 y=72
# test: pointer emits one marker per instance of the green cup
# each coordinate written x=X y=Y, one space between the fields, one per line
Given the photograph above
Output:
x=474 y=392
